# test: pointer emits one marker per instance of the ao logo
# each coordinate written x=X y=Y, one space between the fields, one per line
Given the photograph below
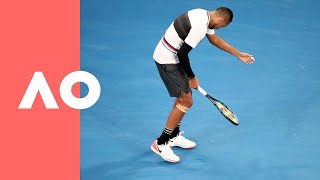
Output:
x=39 y=83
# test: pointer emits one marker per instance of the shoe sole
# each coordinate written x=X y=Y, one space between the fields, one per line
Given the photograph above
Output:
x=157 y=152
x=192 y=147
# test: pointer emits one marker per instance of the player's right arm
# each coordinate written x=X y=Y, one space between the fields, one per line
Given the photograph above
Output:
x=185 y=63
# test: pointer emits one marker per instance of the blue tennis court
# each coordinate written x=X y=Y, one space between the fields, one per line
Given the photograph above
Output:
x=277 y=99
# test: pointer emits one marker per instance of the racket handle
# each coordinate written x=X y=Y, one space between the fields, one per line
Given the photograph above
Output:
x=202 y=91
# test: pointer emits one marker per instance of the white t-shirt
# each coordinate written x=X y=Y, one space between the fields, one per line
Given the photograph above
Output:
x=190 y=27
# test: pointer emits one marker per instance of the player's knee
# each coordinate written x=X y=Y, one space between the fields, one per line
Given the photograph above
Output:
x=187 y=102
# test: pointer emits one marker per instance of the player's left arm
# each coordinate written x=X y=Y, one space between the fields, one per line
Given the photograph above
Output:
x=223 y=45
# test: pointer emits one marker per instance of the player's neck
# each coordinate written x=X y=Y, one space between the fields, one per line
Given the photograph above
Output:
x=213 y=17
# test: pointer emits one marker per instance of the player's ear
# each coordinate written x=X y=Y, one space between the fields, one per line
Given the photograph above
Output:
x=219 y=20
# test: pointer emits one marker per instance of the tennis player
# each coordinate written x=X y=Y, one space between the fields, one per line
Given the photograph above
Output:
x=172 y=61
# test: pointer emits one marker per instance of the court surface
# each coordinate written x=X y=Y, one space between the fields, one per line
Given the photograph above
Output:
x=277 y=99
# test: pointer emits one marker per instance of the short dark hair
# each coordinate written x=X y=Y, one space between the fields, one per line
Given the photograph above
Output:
x=226 y=13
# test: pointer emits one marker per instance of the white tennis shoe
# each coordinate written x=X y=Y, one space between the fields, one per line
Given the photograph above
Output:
x=165 y=151
x=180 y=141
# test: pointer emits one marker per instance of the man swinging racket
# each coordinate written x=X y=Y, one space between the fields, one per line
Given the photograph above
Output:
x=171 y=58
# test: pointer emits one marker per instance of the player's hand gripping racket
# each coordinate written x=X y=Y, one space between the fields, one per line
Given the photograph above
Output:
x=225 y=111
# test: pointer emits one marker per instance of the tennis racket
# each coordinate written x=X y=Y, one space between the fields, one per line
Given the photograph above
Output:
x=224 y=110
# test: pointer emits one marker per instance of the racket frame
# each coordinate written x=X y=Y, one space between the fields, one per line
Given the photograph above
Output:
x=214 y=101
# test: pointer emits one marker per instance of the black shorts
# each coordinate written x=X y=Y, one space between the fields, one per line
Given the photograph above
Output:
x=174 y=78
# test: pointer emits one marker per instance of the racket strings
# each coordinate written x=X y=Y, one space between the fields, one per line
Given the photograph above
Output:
x=226 y=112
